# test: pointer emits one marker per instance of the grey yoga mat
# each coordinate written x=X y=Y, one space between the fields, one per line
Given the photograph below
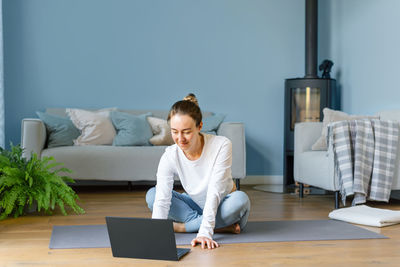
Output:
x=96 y=236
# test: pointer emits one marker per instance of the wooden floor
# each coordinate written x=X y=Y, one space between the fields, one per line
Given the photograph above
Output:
x=24 y=241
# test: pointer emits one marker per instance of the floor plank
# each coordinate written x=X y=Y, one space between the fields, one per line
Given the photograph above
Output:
x=24 y=241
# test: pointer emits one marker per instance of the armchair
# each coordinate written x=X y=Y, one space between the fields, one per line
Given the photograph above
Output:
x=316 y=168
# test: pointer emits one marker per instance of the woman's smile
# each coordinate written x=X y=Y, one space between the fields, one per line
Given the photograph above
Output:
x=186 y=135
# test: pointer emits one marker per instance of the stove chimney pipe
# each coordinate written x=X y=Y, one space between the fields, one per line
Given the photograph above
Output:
x=311 y=38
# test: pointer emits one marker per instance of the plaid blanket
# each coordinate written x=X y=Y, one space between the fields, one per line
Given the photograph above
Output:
x=364 y=153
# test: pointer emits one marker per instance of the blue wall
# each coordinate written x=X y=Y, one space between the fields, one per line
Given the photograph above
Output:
x=364 y=42
x=233 y=54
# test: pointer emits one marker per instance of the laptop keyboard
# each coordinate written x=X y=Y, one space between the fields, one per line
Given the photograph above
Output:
x=182 y=251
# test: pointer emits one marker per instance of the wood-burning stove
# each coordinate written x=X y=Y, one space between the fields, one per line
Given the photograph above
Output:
x=305 y=98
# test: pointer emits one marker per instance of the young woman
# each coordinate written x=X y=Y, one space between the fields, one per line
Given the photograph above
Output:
x=203 y=164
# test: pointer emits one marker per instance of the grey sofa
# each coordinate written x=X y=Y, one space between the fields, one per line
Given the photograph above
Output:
x=316 y=168
x=118 y=163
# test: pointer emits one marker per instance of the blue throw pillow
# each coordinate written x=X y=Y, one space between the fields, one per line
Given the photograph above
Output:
x=211 y=123
x=60 y=130
x=132 y=130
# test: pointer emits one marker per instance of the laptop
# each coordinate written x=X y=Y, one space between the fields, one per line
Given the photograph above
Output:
x=143 y=238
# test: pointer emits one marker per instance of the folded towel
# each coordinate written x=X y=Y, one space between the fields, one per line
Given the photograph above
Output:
x=365 y=215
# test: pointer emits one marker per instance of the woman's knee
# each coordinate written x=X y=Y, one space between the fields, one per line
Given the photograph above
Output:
x=245 y=199
x=240 y=200
x=150 y=196
x=233 y=209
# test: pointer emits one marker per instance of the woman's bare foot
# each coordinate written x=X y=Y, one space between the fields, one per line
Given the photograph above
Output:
x=179 y=227
x=234 y=229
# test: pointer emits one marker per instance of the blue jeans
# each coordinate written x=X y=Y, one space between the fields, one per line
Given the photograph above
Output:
x=234 y=208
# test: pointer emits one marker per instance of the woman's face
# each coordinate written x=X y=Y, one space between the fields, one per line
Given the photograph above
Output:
x=184 y=131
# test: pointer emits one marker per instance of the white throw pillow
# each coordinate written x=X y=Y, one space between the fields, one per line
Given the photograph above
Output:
x=162 y=132
x=331 y=115
x=95 y=126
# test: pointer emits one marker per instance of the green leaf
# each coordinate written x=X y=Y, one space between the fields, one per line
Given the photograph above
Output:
x=52 y=165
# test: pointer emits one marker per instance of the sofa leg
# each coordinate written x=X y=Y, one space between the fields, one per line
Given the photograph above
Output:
x=237 y=181
x=337 y=200
x=301 y=190
x=130 y=187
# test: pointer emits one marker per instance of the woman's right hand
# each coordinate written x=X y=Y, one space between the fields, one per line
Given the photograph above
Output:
x=204 y=241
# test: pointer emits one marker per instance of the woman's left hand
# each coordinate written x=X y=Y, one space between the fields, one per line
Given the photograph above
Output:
x=204 y=241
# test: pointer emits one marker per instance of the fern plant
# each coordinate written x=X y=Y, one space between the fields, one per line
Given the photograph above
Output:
x=25 y=182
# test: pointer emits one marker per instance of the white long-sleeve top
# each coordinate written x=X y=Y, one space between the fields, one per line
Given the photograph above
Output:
x=206 y=180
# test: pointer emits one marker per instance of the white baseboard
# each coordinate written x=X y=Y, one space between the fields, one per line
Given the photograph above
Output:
x=262 y=179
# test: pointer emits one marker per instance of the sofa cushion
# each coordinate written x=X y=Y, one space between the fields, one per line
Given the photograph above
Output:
x=96 y=127
x=331 y=115
x=211 y=123
x=60 y=130
x=132 y=130
x=162 y=132
x=162 y=114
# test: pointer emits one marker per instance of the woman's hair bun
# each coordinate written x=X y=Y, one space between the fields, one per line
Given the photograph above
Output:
x=187 y=106
x=192 y=98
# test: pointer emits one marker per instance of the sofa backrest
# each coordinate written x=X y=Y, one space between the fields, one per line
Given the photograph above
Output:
x=393 y=115
x=163 y=114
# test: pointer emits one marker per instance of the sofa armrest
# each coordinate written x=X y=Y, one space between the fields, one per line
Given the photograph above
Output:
x=235 y=132
x=305 y=135
x=33 y=137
